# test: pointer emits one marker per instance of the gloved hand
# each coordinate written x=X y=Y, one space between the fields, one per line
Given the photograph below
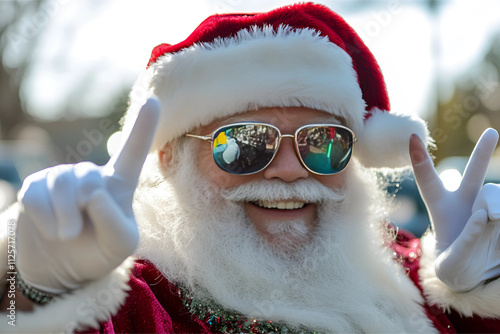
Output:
x=465 y=221
x=76 y=222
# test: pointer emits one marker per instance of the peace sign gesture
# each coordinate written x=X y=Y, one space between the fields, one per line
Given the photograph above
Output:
x=466 y=222
x=76 y=222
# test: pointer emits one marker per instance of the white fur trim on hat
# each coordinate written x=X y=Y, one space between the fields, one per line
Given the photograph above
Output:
x=260 y=67
x=256 y=68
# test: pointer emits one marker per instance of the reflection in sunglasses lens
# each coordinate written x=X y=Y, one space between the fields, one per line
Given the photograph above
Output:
x=325 y=149
x=244 y=149
x=249 y=148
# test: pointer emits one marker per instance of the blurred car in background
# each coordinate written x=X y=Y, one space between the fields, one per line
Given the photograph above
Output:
x=10 y=182
x=409 y=211
x=19 y=159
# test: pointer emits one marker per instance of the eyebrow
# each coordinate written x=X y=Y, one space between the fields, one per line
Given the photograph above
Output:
x=319 y=119
x=330 y=119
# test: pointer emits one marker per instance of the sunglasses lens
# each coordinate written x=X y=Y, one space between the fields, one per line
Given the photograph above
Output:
x=325 y=149
x=244 y=149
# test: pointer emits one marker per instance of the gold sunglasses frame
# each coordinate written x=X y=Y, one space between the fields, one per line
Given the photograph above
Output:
x=211 y=137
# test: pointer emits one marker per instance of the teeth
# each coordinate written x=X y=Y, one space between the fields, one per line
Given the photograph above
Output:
x=281 y=205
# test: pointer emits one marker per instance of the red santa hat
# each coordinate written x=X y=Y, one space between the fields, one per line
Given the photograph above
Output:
x=298 y=55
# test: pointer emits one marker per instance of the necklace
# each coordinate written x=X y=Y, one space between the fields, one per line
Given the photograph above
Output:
x=227 y=321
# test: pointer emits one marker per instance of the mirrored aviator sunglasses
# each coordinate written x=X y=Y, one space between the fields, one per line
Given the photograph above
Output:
x=248 y=148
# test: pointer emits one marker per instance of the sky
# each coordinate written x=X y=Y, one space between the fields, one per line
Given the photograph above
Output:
x=99 y=47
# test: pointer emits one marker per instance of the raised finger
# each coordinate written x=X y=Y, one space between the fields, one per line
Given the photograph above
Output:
x=475 y=171
x=428 y=181
x=128 y=162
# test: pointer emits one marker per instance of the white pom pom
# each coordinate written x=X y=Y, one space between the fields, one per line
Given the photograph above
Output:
x=385 y=138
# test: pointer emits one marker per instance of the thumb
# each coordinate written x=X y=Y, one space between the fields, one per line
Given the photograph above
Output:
x=461 y=265
x=463 y=245
x=489 y=199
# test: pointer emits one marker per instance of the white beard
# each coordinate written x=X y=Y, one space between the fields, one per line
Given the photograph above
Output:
x=343 y=280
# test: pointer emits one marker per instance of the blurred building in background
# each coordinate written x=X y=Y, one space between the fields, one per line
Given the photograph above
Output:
x=67 y=66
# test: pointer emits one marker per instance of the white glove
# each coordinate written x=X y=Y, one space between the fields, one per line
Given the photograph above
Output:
x=465 y=221
x=76 y=222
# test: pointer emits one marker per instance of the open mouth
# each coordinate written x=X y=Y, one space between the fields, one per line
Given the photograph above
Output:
x=280 y=205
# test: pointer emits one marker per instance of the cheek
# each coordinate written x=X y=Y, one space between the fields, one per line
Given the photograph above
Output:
x=336 y=181
x=216 y=176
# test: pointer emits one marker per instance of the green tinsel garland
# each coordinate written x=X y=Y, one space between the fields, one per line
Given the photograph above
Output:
x=226 y=321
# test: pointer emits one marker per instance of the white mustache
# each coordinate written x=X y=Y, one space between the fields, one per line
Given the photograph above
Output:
x=309 y=191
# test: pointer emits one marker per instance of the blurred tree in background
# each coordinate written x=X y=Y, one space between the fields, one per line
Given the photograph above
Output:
x=473 y=107
x=20 y=39
x=73 y=136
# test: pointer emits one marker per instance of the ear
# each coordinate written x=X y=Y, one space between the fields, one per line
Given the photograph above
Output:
x=165 y=156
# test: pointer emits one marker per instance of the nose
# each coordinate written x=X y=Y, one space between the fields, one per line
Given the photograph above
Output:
x=286 y=164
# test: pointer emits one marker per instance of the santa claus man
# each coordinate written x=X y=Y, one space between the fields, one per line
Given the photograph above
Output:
x=258 y=208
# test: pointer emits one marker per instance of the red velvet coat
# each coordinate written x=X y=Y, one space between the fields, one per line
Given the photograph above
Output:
x=153 y=305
